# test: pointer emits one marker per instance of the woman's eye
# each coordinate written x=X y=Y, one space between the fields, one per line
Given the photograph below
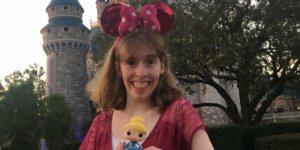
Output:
x=150 y=61
x=129 y=62
x=128 y=133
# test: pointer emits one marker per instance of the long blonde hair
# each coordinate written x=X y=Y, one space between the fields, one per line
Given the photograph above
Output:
x=107 y=89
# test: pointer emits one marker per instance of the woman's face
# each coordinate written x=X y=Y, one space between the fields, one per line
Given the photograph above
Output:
x=140 y=73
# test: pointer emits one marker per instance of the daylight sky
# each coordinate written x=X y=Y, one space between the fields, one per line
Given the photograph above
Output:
x=21 y=40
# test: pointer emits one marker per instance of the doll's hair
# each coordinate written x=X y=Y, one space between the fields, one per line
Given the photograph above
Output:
x=107 y=89
x=136 y=123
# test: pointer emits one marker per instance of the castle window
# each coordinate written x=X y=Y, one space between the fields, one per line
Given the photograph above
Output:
x=82 y=30
x=65 y=7
x=66 y=29
x=53 y=8
x=69 y=44
x=77 y=9
x=48 y=30
x=67 y=85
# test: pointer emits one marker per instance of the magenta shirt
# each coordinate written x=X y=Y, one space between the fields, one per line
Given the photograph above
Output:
x=173 y=131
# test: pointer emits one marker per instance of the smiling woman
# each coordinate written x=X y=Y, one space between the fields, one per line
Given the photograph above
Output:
x=136 y=80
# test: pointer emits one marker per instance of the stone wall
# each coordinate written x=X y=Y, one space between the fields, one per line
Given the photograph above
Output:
x=66 y=46
x=203 y=93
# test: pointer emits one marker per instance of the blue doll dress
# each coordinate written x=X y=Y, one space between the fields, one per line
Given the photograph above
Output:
x=132 y=145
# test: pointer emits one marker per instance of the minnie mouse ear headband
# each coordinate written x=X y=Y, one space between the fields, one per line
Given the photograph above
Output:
x=119 y=19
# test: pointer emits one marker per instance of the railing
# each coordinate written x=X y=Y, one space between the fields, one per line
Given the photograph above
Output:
x=281 y=117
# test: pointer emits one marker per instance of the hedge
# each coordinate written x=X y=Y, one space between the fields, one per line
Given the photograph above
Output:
x=278 y=142
x=243 y=138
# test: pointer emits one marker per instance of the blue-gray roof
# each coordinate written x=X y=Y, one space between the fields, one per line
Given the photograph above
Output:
x=64 y=2
x=65 y=21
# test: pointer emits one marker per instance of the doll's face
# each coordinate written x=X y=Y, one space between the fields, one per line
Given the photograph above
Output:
x=134 y=135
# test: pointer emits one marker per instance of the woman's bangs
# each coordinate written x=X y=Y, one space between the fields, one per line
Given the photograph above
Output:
x=130 y=49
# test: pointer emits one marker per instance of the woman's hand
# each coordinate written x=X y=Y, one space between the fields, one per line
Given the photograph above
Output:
x=152 y=148
x=120 y=146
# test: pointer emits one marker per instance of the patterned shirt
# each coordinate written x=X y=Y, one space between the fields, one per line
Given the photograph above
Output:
x=173 y=131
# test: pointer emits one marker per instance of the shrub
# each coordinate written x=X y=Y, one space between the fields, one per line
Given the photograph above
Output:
x=226 y=137
x=278 y=142
x=233 y=137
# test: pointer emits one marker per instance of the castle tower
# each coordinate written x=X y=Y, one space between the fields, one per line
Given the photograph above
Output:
x=66 y=42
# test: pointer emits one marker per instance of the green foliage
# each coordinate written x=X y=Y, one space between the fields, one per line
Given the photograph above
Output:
x=244 y=138
x=20 y=101
x=226 y=138
x=278 y=142
x=26 y=115
x=19 y=117
x=253 y=45
x=34 y=74
x=57 y=131
x=102 y=42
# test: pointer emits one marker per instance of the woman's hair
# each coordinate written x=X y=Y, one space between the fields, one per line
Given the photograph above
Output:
x=137 y=123
x=107 y=89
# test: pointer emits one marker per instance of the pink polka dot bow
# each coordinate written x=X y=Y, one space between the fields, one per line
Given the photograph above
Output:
x=120 y=19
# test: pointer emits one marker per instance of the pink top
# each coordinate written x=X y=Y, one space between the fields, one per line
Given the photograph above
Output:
x=173 y=131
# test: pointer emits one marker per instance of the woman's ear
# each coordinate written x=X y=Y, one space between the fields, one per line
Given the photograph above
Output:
x=118 y=69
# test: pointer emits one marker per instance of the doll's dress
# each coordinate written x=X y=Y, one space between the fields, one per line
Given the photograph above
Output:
x=132 y=145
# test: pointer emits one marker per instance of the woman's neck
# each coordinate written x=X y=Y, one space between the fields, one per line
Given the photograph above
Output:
x=137 y=107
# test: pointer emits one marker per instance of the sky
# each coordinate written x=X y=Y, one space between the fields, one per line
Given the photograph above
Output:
x=21 y=40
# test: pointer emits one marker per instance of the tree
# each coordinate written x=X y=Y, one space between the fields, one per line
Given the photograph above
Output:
x=254 y=45
x=26 y=115
x=57 y=129
x=34 y=74
x=20 y=108
x=101 y=42
x=19 y=117
x=251 y=43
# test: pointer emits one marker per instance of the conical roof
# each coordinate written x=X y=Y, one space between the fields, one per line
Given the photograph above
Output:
x=64 y=2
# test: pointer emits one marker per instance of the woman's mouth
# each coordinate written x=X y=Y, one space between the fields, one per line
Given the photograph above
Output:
x=140 y=84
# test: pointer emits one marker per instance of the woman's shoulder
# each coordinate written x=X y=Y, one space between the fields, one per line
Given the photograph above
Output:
x=180 y=102
x=103 y=115
x=179 y=109
x=177 y=106
x=102 y=119
x=98 y=132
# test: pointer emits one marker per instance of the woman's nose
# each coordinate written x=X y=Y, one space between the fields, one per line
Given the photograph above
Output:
x=141 y=70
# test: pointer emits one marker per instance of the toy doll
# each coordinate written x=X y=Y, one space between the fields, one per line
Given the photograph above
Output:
x=135 y=131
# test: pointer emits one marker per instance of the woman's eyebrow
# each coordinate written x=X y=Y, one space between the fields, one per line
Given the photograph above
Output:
x=151 y=56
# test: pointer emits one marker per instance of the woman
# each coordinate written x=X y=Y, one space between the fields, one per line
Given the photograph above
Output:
x=136 y=80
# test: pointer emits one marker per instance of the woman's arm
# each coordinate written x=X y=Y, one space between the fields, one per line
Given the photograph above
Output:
x=201 y=141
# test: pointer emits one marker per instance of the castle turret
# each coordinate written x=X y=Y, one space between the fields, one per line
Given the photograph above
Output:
x=66 y=42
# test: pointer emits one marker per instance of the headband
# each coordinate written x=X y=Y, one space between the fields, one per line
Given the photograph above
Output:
x=119 y=19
